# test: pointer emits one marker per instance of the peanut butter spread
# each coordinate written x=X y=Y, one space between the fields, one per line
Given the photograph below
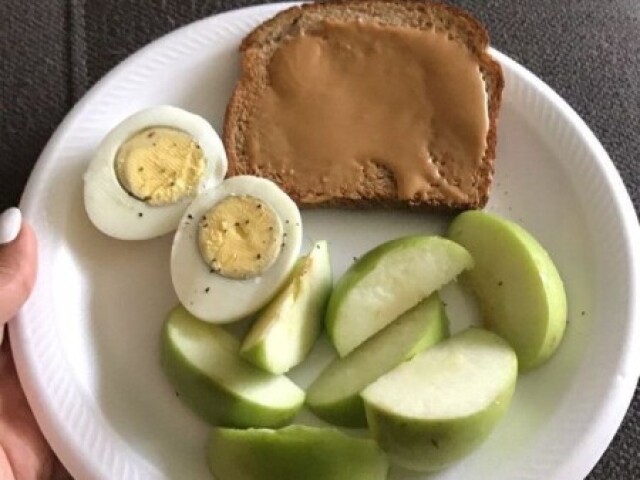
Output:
x=160 y=165
x=351 y=99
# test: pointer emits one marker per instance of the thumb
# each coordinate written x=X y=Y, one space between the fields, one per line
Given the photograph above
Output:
x=18 y=263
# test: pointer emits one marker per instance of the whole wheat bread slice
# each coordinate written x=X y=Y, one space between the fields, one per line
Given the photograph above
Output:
x=379 y=189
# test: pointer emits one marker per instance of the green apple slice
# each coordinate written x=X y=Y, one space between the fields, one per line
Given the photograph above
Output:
x=201 y=360
x=286 y=330
x=294 y=453
x=335 y=395
x=386 y=282
x=437 y=407
x=520 y=291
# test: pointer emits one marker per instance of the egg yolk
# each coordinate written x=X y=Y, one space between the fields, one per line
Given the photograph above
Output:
x=160 y=165
x=240 y=237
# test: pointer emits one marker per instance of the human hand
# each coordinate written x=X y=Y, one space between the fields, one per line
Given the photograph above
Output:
x=24 y=453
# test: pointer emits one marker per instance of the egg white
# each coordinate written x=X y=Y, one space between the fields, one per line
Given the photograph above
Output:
x=226 y=299
x=118 y=214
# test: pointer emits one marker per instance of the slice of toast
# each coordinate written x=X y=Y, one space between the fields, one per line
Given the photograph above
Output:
x=378 y=187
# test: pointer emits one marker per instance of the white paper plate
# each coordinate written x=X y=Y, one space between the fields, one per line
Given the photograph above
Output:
x=86 y=344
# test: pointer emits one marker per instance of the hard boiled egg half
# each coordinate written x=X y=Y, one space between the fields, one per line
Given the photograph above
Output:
x=147 y=170
x=234 y=248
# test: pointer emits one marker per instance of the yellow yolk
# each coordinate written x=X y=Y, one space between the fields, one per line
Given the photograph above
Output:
x=160 y=165
x=240 y=237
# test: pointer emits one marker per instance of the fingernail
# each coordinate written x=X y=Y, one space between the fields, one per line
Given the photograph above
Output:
x=10 y=224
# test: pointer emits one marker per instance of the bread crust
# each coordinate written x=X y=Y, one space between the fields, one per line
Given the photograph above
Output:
x=258 y=46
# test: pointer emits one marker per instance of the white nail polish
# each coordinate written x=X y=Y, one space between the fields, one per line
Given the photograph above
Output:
x=10 y=224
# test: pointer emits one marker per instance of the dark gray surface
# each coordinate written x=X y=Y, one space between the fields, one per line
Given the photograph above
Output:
x=588 y=51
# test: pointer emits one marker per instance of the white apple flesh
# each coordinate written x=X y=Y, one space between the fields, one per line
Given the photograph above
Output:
x=202 y=362
x=335 y=395
x=288 y=327
x=519 y=289
x=436 y=408
x=386 y=282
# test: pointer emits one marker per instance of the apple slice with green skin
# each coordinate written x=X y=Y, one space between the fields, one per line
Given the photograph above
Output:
x=386 y=282
x=287 y=328
x=202 y=362
x=294 y=453
x=519 y=289
x=335 y=395
x=434 y=409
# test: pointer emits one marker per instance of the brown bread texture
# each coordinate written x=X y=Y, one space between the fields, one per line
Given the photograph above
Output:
x=379 y=189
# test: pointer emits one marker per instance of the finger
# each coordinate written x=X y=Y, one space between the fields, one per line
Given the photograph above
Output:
x=18 y=265
x=5 y=466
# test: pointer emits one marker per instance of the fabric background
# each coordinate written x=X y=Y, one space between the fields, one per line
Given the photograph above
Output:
x=52 y=51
